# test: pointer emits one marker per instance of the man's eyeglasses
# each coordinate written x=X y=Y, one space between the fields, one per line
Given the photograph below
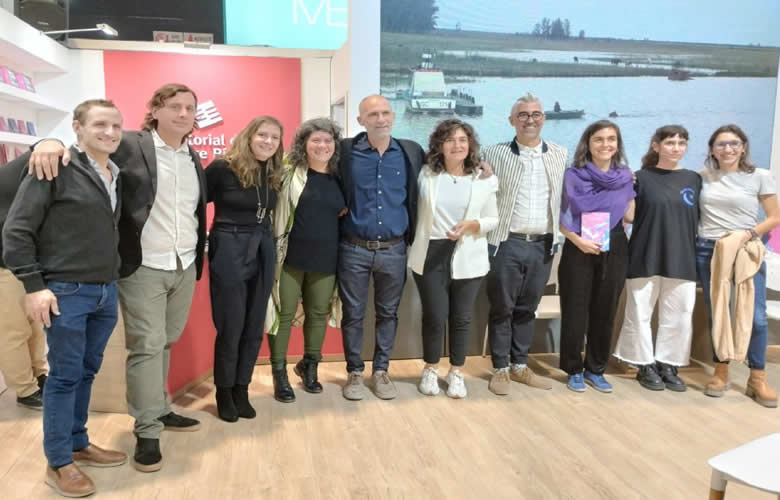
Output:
x=728 y=144
x=535 y=116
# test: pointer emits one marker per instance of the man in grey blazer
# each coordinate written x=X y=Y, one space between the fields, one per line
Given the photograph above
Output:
x=162 y=237
x=530 y=175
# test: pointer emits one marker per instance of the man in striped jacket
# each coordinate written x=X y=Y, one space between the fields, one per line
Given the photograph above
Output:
x=530 y=175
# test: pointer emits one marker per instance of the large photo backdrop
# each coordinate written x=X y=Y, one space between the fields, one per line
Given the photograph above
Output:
x=642 y=65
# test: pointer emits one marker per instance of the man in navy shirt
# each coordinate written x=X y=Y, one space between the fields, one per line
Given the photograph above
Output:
x=379 y=181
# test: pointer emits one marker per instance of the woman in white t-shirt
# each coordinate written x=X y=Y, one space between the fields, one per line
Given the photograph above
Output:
x=733 y=191
x=449 y=257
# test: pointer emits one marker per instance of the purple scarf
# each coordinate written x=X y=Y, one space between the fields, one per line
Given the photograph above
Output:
x=589 y=189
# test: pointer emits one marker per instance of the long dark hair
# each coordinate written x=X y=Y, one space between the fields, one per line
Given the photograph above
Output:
x=745 y=164
x=443 y=131
x=650 y=159
x=582 y=153
x=297 y=155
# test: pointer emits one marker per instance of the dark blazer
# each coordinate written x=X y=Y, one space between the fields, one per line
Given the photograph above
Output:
x=137 y=161
x=415 y=158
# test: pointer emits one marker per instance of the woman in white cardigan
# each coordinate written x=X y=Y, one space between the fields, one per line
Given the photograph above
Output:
x=449 y=256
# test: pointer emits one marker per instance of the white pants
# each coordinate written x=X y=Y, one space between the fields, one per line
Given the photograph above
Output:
x=676 y=299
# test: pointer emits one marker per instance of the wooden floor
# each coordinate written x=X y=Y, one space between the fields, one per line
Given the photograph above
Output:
x=531 y=444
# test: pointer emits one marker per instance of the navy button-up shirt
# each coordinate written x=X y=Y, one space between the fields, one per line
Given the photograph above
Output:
x=377 y=211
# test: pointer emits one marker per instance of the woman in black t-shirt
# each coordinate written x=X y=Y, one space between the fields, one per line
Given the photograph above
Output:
x=243 y=187
x=662 y=263
x=306 y=224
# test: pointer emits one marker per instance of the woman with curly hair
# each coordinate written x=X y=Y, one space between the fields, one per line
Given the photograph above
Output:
x=449 y=256
x=306 y=224
x=243 y=186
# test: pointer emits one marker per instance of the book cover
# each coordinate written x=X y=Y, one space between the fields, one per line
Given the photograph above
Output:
x=12 y=126
x=3 y=155
x=21 y=126
x=3 y=125
x=6 y=75
x=31 y=128
x=595 y=227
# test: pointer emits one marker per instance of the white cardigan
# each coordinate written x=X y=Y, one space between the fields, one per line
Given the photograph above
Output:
x=470 y=258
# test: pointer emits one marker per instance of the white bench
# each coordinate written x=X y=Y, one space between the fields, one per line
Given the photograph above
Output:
x=755 y=464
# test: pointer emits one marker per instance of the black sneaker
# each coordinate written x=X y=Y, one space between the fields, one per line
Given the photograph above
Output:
x=34 y=401
x=178 y=423
x=147 y=456
x=649 y=379
x=668 y=374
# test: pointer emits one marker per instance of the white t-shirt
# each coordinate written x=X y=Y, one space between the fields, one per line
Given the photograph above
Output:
x=729 y=200
x=452 y=200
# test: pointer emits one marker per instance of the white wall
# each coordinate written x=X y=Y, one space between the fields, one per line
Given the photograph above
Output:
x=775 y=161
x=363 y=39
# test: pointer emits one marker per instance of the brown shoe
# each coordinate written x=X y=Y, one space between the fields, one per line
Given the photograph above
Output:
x=758 y=388
x=528 y=377
x=719 y=381
x=98 y=457
x=499 y=382
x=69 y=481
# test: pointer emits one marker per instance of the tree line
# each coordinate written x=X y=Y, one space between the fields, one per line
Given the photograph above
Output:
x=557 y=29
x=408 y=16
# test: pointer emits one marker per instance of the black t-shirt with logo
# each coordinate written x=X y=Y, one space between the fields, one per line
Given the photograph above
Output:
x=663 y=239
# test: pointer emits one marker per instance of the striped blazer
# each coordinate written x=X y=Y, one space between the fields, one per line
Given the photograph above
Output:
x=505 y=160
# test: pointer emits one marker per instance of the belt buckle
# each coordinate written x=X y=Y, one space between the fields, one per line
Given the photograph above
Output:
x=373 y=245
x=528 y=237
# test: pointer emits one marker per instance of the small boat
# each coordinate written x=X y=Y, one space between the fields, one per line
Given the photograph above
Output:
x=564 y=114
x=465 y=104
x=680 y=75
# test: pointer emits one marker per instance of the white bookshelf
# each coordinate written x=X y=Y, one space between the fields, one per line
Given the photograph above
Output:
x=26 y=50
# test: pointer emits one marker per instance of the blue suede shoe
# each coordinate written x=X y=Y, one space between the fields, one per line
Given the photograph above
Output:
x=597 y=381
x=576 y=383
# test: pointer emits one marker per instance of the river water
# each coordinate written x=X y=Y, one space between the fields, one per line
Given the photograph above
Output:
x=642 y=104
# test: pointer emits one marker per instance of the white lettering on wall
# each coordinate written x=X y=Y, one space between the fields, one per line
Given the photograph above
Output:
x=329 y=9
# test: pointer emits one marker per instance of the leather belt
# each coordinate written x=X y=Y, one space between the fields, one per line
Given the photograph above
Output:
x=374 y=245
x=531 y=237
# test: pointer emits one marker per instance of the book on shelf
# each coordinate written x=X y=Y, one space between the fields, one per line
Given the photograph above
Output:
x=7 y=75
x=31 y=128
x=12 y=126
x=3 y=125
x=22 y=126
x=3 y=155
x=25 y=82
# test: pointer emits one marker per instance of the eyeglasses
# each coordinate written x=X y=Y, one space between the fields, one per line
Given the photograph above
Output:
x=535 y=116
x=728 y=144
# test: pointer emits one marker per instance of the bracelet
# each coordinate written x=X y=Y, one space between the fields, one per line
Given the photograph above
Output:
x=753 y=234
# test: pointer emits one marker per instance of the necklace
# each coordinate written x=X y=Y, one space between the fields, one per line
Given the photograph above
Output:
x=453 y=177
x=261 y=210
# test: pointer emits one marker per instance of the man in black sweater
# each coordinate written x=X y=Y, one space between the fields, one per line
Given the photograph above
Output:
x=69 y=268
x=22 y=342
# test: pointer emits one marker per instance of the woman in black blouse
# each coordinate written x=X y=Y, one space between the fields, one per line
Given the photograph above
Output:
x=243 y=186
x=306 y=223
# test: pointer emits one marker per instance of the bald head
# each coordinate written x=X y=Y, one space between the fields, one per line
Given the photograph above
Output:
x=377 y=117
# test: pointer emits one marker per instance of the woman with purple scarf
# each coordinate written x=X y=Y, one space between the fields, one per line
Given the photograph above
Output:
x=598 y=195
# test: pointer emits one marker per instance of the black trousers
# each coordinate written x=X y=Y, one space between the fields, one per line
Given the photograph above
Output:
x=515 y=285
x=241 y=274
x=590 y=287
x=445 y=301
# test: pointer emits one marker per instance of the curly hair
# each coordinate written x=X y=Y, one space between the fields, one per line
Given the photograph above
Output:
x=650 y=159
x=158 y=101
x=582 y=153
x=243 y=162
x=297 y=155
x=745 y=163
x=443 y=131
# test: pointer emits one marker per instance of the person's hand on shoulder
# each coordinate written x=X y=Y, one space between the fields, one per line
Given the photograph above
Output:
x=45 y=159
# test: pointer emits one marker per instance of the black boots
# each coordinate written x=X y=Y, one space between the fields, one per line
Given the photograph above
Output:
x=241 y=400
x=668 y=374
x=306 y=368
x=649 y=379
x=226 y=407
x=283 y=391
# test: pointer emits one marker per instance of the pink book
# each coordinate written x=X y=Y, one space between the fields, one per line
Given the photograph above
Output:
x=3 y=125
x=21 y=127
x=595 y=227
x=25 y=82
x=6 y=75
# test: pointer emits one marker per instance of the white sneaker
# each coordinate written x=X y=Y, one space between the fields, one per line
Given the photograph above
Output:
x=456 y=385
x=429 y=383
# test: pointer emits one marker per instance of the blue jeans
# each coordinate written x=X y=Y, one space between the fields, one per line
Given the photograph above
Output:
x=756 y=354
x=76 y=338
x=356 y=266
